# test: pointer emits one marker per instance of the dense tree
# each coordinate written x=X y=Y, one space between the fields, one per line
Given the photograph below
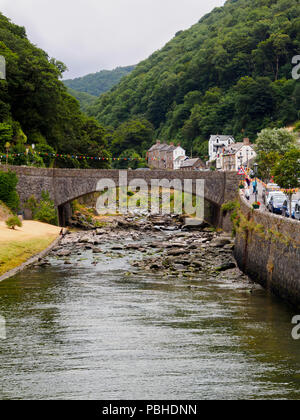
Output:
x=97 y=83
x=35 y=106
x=287 y=173
x=275 y=140
x=8 y=192
x=137 y=134
x=230 y=73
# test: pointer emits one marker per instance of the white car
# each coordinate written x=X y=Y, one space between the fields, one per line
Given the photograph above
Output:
x=297 y=210
x=268 y=189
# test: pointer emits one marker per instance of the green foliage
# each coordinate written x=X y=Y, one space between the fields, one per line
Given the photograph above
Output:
x=97 y=83
x=85 y=99
x=13 y=221
x=275 y=140
x=31 y=204
x=287 y=170
x=35 y=106
x=229 y=72
x=230 y=206
x=6 y=134
x=266 y=162
x=8 y=193
x=44 y=211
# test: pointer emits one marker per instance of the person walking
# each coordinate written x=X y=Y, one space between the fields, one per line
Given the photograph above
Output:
x=254 y=185
x=247 y=193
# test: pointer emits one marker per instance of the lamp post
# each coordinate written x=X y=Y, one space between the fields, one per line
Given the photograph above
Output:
x=7 y=146
x=33 y=153
x=255 y=173
x=26 y=153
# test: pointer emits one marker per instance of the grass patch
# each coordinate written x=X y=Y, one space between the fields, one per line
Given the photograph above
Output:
x=15 y=253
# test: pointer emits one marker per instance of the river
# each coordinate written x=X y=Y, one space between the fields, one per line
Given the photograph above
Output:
x=101 y=331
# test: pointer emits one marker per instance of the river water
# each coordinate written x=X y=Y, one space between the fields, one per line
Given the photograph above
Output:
x=100 y=331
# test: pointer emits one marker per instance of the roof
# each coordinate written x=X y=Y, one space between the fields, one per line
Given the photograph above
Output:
x=214 y=137
x=235 y=147
x=190 y=162
x=162 y=147
x=157 y=146
x=168 y=148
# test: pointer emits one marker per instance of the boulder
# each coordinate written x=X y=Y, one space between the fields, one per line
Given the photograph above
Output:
x=97 y=251
x=226 y=266
x=176 y=252
x=220 y=242
x=64 y=253
x=194 y=223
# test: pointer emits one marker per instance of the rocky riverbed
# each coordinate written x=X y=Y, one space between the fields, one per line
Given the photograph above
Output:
x=163 y=245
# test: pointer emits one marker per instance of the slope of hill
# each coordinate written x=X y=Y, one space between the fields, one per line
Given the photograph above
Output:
x=85 y=99
x=36 y=108
x=230 y=73
x=97 y=83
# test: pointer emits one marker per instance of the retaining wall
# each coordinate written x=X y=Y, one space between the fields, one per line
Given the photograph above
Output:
x=269 y=252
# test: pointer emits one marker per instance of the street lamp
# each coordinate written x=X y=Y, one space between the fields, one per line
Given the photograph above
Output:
x=7 y=146
x=255 y=173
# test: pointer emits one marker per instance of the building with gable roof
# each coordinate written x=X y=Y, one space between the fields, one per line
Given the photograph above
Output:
x=165 y=156
x=237 y=155
x=217 y=143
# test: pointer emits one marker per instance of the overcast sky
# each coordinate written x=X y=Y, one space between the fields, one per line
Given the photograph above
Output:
x=92 y=35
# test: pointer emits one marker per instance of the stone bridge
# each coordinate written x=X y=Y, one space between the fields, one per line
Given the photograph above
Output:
x=66 y=185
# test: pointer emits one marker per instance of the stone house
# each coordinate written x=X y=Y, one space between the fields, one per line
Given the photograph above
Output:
x=193 y=165
x=165 y=156
x=237 y=155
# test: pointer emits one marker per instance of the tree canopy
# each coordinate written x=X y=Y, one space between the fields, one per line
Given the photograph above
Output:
x=230 y=73
x=35 y=106
x=97 y=83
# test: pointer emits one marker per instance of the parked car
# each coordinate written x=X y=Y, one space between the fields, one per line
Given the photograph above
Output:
x=274 y=194
x=286 y=208
x=297 y=210
x=268 y=189
x=276 y=203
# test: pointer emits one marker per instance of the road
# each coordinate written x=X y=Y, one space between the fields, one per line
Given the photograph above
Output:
x=260 y=199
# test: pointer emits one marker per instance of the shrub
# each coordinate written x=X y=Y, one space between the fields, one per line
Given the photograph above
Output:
x=13 y=221
x=45 y=210
x=8 y=193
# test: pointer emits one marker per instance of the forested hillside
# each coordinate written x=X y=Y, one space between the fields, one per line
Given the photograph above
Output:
x=97 y=83
x=230 y=73
x=85 y=99
x=35 y=107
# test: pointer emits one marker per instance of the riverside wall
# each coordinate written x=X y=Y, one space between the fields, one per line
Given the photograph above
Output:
x=267 y=249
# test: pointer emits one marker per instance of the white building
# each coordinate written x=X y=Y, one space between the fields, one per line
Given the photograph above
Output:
x=178 y=156
x=217 y=143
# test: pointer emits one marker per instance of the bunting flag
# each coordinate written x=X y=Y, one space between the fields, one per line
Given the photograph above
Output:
x=291 y=190
x=77 y=156
x=70 y=156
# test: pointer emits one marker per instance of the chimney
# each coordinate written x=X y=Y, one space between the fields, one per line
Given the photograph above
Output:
x=171 y=144
x=158 y=142
x=246 y=141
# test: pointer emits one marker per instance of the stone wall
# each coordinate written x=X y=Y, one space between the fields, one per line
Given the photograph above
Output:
x=66 y=185
x=269 y=252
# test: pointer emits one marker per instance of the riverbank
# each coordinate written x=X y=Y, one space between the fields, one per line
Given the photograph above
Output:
x=19 y=245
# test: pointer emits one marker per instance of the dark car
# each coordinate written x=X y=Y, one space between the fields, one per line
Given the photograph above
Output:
x=276 y=204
